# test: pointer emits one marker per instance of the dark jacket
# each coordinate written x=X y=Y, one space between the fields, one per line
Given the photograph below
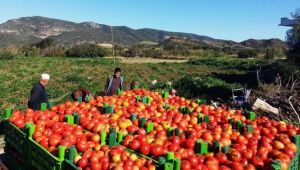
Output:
x=109 y=83
x=38 y=96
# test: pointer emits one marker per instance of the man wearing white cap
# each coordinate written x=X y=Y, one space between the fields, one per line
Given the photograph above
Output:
x=38 y=93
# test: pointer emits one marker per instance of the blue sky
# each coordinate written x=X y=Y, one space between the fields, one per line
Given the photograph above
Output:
x=225 y=19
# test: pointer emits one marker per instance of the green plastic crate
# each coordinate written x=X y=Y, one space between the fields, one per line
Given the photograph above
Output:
x=12 y=162
x=39 y=158
x=16 y=148
x=68 y=165
x=294 y=165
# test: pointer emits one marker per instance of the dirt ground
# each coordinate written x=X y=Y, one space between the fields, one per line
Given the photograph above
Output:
x=133 y=60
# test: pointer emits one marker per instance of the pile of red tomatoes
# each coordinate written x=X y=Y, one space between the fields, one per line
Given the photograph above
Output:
x=140 y=149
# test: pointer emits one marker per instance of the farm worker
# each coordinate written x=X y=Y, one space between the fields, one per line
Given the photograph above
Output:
x=84 y=93
x=134 y=84
x=172 y=93
x=114 y=83
x=38 y=93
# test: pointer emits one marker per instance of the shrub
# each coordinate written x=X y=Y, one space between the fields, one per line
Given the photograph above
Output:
x=118 y=50
x=6 y=54
x=86 y=50
x=211 y=54
x=133 y=52
x=272 y=53
x=294 y=53
x=198 y=85
x=44 y=43
x=153 y=53
x=29 y=51
x=227 y=63
x=53 y=51
x=247 y=54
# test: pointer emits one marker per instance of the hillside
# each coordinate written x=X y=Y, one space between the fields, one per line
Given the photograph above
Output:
x=31 y=29
x=27 y=30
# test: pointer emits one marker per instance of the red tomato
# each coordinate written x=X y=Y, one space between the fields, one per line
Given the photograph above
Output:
x=114 y=152
x=292 y=132
x=45 y=143
x=96 y=166
x=222 y=158
x=212 y=162
x=250 y=167
x=224 y=168
x=248 y=154
x=237 y=166
x=93 y=158
x=257 y=161
x=141 y=131
x=189 y=143
x=128 y=162
x=104 y=148
x=19 y=123
x=193 y=160
x=95 y=138
x=235 y=155
x=241 y=139
x=156 y=150
x=142 y=139
x=135 y=144
x=82 y=145
x=54 y=141
x=175 y=140
x=127 y=140
x=145 y=149
x=185 y=165
x=83 y=162
x=173 y=147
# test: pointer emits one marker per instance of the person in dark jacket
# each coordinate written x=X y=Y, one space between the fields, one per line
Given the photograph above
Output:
x=114 y=83
x=38 y=93
x=84 y=93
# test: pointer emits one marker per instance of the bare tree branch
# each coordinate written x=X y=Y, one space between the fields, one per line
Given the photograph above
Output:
x=257 y=75
x=287 y=84
x=293 y=84
x=279 y=85
x=289 y=100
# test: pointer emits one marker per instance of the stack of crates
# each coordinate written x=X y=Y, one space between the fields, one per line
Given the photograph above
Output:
x=23 y=153
x=16 y=148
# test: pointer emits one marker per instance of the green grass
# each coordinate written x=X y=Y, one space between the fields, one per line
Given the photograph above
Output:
x=234 y=64
x=17 y=75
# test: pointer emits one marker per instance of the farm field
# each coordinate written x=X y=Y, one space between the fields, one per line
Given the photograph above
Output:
x=19 y=74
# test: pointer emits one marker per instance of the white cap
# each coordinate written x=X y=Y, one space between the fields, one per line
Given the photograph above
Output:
x=45 y=76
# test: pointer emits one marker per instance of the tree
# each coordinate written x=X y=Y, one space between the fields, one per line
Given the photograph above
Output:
x=134 y=51
x=272 y=53
x=44 y=43
x=86 y=50
x=293 y=37
x=247 y=53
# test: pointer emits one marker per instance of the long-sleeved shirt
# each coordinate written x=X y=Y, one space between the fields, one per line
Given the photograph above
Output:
x=112 y=84
x=38 y=96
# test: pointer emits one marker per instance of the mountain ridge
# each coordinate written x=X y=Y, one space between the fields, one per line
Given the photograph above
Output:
x=27 y=30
